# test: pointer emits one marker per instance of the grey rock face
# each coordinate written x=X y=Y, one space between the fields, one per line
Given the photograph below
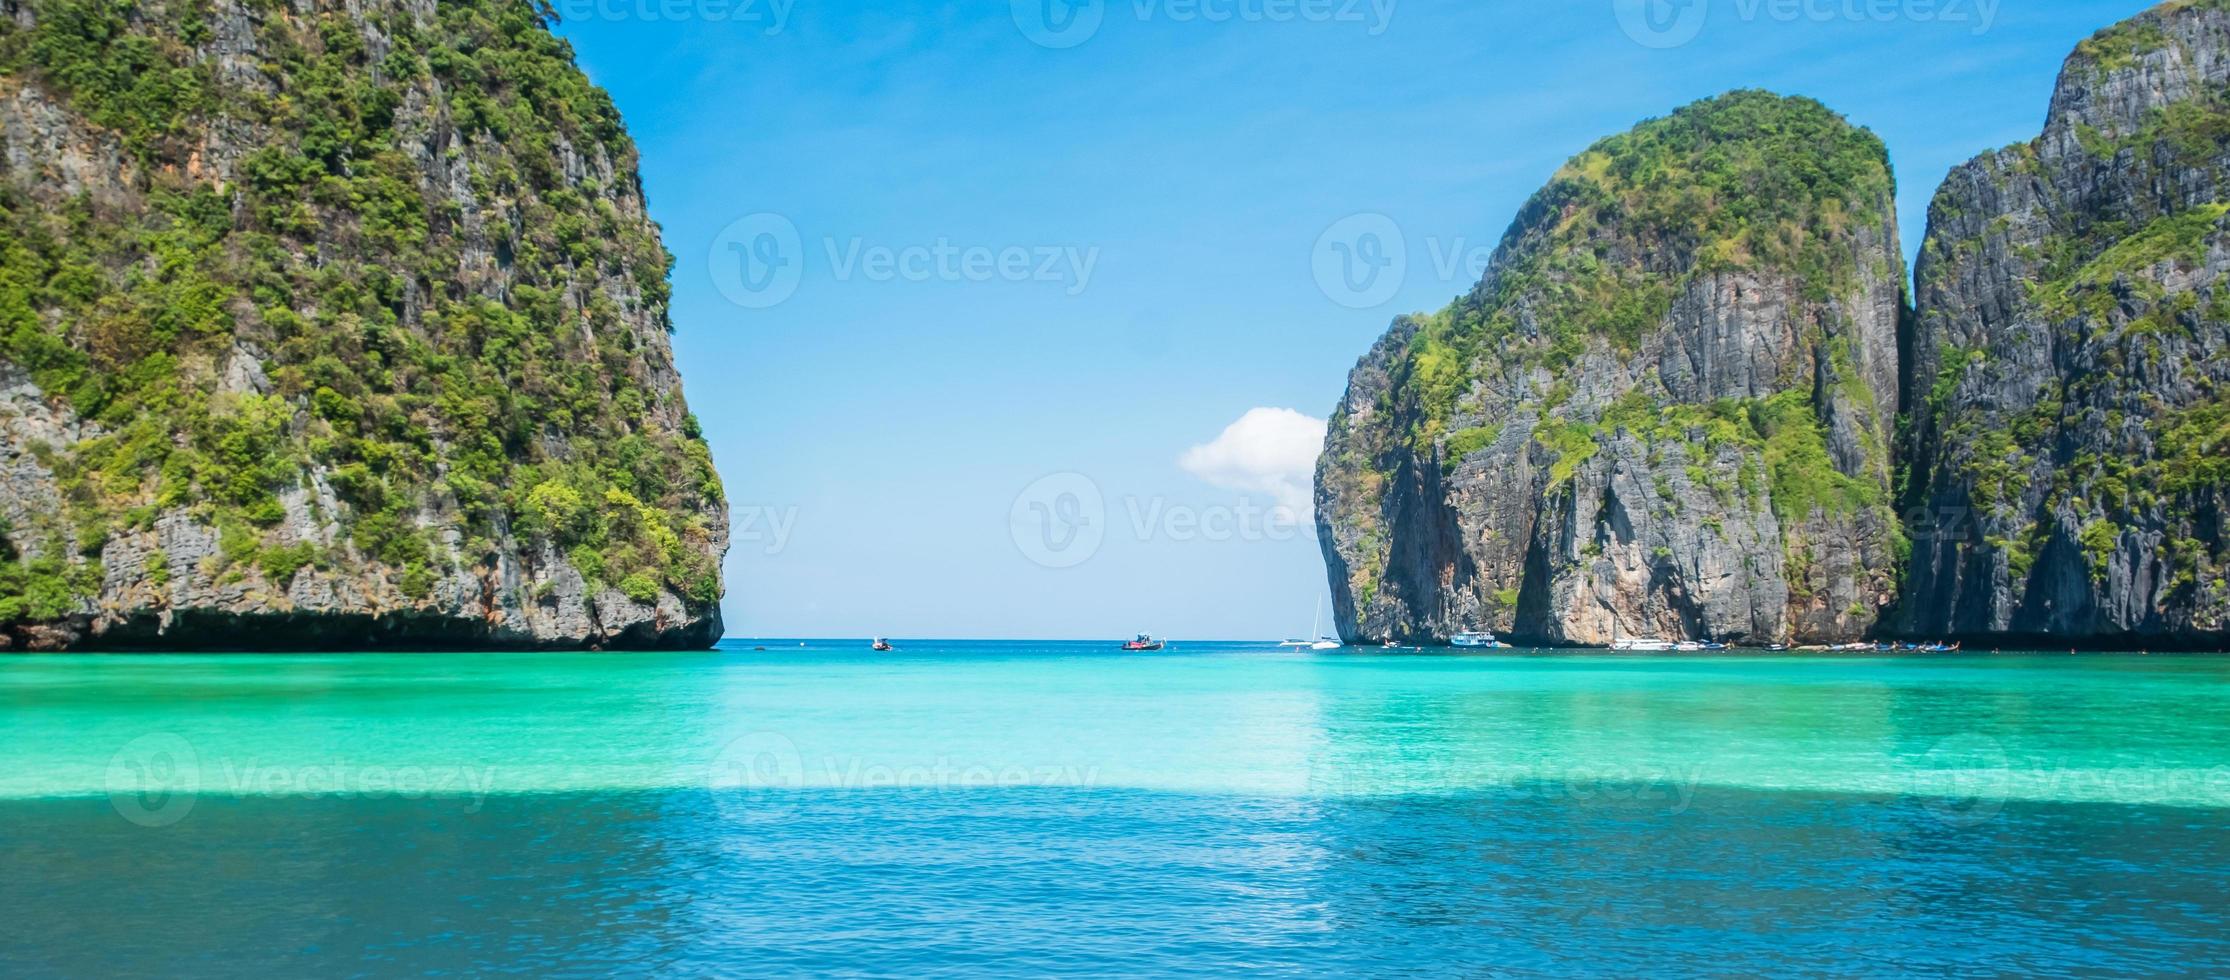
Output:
x=1653 y=485
x=2068 y=362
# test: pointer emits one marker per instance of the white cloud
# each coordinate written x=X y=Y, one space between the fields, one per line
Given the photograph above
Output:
x=1269 y=450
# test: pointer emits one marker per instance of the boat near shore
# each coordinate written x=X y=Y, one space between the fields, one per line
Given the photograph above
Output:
x=1316 y=629
x=1636 y=644
x=1876 y=647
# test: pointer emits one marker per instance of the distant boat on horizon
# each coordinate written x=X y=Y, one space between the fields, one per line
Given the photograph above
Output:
x=880 y=645
x=1144 y=642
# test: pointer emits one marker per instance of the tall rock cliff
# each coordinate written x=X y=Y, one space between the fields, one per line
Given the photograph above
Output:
x=333 y=324
x=1666 y=410
x=2070 y=385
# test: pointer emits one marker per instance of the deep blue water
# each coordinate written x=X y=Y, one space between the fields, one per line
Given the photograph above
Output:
x=1035 y=881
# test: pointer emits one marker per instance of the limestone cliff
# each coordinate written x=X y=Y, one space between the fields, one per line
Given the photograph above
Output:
x=1666 y=410
x=2070 y=383
x=334 y=325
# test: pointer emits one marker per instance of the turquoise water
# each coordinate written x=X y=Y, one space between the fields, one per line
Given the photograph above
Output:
x=1020 y=807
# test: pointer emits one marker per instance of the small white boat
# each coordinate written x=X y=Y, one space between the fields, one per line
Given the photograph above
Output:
x=1642 y=646
x=1474 y=638
x=1321 y=642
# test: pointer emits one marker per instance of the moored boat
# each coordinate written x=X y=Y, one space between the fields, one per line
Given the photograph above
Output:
x=1316 y=629
x=1475 y=638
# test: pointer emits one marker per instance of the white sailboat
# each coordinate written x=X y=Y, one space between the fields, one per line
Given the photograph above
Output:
x=1316 y=627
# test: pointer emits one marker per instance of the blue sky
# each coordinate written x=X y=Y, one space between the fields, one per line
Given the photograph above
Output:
x=954 y=304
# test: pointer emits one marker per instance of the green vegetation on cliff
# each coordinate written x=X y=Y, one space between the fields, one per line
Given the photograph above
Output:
x=2093 y=471
x=2118 y=47
x=418 y=266
x=1746 y=181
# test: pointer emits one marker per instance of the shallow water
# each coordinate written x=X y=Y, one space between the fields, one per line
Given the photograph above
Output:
x=964 y=807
